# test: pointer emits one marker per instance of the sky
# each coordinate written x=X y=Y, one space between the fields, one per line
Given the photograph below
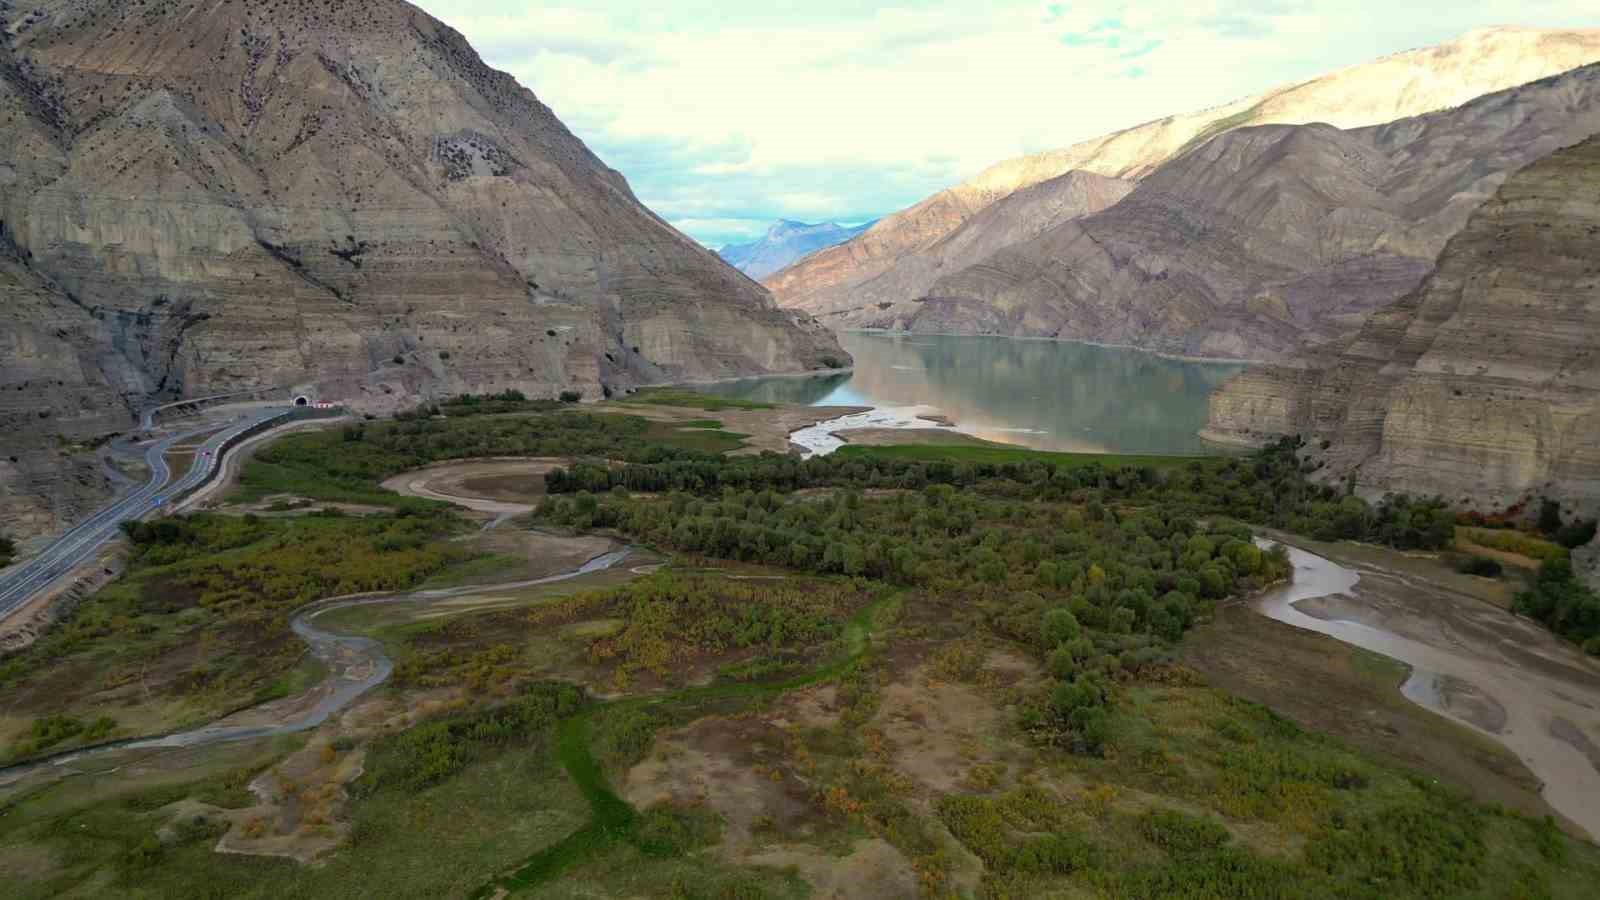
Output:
x=727 y=117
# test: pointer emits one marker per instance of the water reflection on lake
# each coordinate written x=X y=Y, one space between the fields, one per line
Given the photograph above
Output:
x=1048 y=395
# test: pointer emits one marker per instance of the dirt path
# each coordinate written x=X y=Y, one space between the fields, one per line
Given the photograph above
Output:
x=499 y=488
x=1478 y=665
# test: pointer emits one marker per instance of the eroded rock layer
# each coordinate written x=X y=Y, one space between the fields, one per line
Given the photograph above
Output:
x=1261 y=238
x=341 y=196
x=848 y=285
x=1483 y=385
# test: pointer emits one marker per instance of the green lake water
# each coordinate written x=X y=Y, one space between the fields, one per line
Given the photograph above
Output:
x=1049 y=395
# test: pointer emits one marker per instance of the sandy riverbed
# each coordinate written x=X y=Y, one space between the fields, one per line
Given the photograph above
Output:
x=1474 y=663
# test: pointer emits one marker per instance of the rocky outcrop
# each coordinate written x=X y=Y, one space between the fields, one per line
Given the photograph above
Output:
x=1262 y=238
x=336 y=196
x=1483 y=385
x=784 y=244
x=1405 y=84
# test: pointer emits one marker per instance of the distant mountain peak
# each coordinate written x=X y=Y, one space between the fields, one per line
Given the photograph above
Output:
x=785 y=243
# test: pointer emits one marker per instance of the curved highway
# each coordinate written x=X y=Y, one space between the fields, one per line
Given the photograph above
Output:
x=81 y=542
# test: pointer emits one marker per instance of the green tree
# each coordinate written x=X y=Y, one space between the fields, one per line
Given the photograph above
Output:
x=1061 y=626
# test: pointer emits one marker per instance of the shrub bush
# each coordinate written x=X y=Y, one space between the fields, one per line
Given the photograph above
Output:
x=1576 y=534
x=1479 y=565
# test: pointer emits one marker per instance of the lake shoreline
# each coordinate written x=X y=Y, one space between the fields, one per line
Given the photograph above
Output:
x=1176 y=357
x=1050 y=395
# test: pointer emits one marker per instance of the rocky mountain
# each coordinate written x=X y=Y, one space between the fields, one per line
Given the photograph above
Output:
x=338 y=196
x=1010 y=220
x=198 y=196
x=1261 y=238
x=784 y=244
x=1397 y=86
x=1482 y=385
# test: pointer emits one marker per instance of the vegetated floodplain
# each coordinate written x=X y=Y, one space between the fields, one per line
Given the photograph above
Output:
x=349 y=465
x=921 y=676
x=688 y=399
x=989 y=454
x=199 y=623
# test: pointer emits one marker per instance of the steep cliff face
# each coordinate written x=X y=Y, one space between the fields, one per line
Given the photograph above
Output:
x=58 y=372
x=1261 y=238
x=1484 y=384
x=341 y=196
x=785 y=243
x=1405 y=84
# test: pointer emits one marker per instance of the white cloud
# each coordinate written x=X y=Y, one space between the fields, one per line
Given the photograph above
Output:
x=775 y=111
x=726 y=231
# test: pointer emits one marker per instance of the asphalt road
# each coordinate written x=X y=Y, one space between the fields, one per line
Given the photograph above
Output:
x=81 y=542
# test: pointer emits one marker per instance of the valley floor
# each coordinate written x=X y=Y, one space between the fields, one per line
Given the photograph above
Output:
x=687 y=724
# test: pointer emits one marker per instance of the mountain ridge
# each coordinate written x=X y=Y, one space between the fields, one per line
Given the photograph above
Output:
x=1482 y=384
x=786 y=242
x=1411 y=82
x=340 y=199
x=1259 y=239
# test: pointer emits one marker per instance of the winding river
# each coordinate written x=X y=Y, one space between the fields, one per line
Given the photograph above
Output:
x=1471 y=662
x=355 y=666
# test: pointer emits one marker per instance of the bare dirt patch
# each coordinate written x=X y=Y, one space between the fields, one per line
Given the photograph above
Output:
x=737 y=767
x=872 y=869
x=948 y=736
x=813 y=707
x=742 y=769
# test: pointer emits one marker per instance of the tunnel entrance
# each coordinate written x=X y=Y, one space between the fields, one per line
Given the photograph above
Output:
x=302 y=400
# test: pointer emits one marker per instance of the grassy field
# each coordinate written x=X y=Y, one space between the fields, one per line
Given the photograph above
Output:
x=1531 y=548
x=999 y=455
x=688 y=399
x=180 y=463
x=706 y=436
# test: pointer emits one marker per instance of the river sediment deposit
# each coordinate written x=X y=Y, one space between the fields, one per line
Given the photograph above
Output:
x=1501 y=675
